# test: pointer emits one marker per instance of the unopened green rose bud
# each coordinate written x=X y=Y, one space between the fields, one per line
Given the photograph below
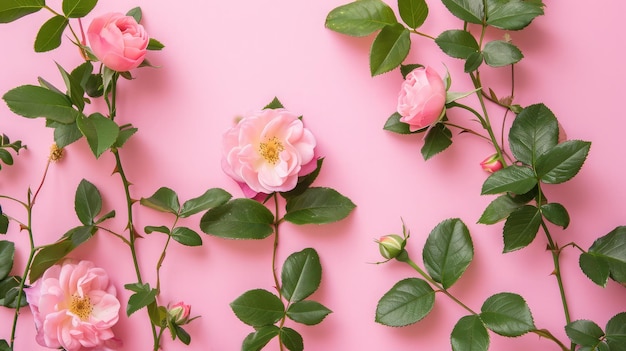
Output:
x=179 y=313
x=391 y=246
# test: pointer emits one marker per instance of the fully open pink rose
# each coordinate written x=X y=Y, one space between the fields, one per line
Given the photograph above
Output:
x=74 y=307
x=267 y=151
x=118 y=41
x=422 y=98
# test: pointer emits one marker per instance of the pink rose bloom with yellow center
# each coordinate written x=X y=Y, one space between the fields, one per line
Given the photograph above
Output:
x=422 y=98
x=267 y=151
x=74 y=307
x=118 y=41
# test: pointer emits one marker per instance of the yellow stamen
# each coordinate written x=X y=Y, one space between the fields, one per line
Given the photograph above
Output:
x=56 y=153
x=271 y=149
x=81 y=306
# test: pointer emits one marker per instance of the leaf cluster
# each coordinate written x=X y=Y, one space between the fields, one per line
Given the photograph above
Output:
x=5 y=145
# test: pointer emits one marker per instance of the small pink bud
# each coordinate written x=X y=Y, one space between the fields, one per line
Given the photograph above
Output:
x=391 y=246
x=491 y=164
x=179 y=313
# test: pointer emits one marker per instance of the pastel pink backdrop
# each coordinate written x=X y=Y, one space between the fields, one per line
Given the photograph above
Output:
x=223 y=58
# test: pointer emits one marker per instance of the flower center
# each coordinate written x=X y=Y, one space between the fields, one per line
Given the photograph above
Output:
x=81 y=306
x=271 y=149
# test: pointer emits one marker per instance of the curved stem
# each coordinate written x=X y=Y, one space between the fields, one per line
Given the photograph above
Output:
x=162 y=257
x=115 y=234
x=14 y=199
x=546 y=334
x=423 y=34
x=467 y=130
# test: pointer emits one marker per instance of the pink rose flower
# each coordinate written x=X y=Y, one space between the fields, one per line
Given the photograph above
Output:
x=267 y=151
x=74 y=307
x=491 y=164
x=118 y=41
x=179 y=313
x=422 y=98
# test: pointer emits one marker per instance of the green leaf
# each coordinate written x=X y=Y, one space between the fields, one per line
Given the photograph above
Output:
x=154 y=44
x=406 y=69
x=9 y=292
x=301 y=275
x=457 y=43
x=163 y=200
x=143 y=296
x=80 y=235
x=78 y=8
x=512 y=14
x=500 y=53
x=274 y=104
x=50 y=34
x=469 y=334
x=34 y=101
x=616 y=332
x=238 y=219
x=468 y=10
x=413 y=12
x=82 y=73
x=87 y=202
x=135 y=13
x=533 y=132
x=595 y=268
x=123 y=136
x=11 y=10
x=74 y=89
x=393 y=124
x=65 y=134
x=7 y=253
x=307 y=312
x=473 y=62
x=389 y=49
x=507 y=314
x=257 y=340
x=499 y=209
x=448 y=251
x=515 y=179
x=211 y=198
x=6 y=157
x=409 y=301
x=584 y=332
x=556 y=214
x=612 y=249
x=184 y=337
x=100 y=132
x=258 y=308
x=360 y=18
x=4 y=346
x=521 y=228
x=304 y=182
x=291 y=339
x=4 y=224
x=186 y=236
x=562 y=162
x=160 y=229
x=438 y=138
x=94 y=87
x=318 y=206
x=48 y=256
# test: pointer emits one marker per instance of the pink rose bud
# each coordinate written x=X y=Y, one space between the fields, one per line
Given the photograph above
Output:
x=118 y=41
x=391 y=246
x=422 y=98
x=491 y=164
x=179 y=313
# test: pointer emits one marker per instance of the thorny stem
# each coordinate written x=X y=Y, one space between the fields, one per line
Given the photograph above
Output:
x=466 y=130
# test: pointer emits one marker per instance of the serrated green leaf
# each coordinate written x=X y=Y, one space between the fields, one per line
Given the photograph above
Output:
x=75 y=90
x=6 y=157
x=50 y=34
x=291 y=339
x=469 y=334
x=257 y=340
x=11 y=10
x=318 y=206
x=507 y=314
x=562 y=162
x=612 y=249
x=448 y=251
x=301 y=275
x=512 y=14
x=34 y=101
x=135 y=13
x=4 y=224
x=389 y=49
x=394 y=125
x=123 y=136
x=521 y=228
x=87 y=202
x=238 y=219
x=211 y=198
x=163 y=200
x=10 y=291
x=584 y=332
x=499 y=209
x=534 y=132
x=304 y=182
x=186 y=236
x=100 y=132
x=556 y=214
x=595 y=268
x=141 y=298
x=258 y=308
x=360 y=18
x=473 y=62
x=616 y=332
x=407 y=302
x=48 y=256
x=65 y=134
x=7 y=254
x=413 y=12
x=438 y=138
x=514 y=179
x=471 y=11
x=307 y=312
x=79 y=235
x=500 y=53
x=78 y=8
x=457 y=43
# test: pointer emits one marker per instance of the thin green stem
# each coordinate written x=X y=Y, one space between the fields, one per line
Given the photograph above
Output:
x=467 y=130
x=485 y=121
x=115 y=234
x=423 y=34
x=277 y=285
x=14 y=199
x=546 y=334
x=162 y=257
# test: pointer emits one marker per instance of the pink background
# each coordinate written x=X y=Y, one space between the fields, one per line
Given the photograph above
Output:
x=223 y=58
